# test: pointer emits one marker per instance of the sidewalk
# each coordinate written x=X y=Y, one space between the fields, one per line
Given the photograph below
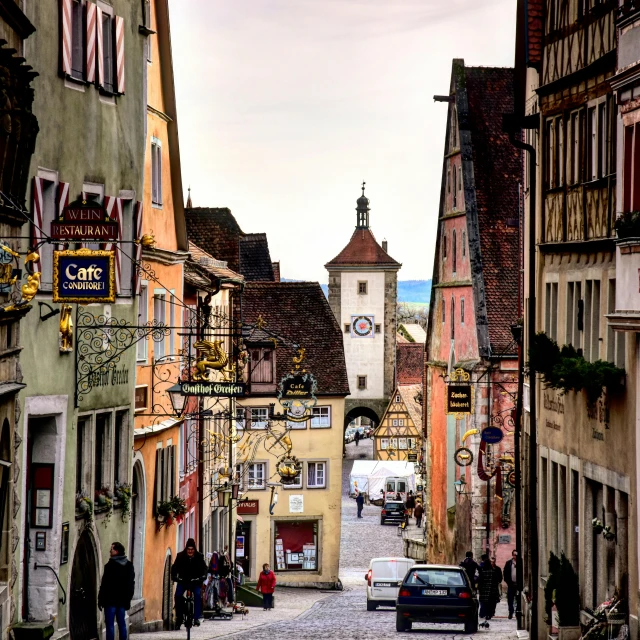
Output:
x=290 y=603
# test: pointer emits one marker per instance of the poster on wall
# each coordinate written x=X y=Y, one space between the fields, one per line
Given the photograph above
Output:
x=296 y=504
x=239 y=546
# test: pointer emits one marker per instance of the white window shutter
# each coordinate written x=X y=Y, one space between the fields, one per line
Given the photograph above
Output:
x=65 y=36
x=119 y=28
x=92 y=13
x=38 y=217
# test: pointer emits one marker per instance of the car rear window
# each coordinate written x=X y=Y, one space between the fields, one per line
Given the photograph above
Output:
x=436 y=577
x=383 y=570
x=393 y=506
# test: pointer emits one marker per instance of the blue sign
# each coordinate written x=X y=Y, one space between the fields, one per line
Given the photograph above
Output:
x=492 y=435
x=84 y=276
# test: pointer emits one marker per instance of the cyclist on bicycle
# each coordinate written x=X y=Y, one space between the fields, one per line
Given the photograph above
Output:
x=189 y=571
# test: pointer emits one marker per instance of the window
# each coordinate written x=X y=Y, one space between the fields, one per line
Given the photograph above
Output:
x=454 y=251
x=141 y=397
x=464 y=244
x=165 y=473
x=240 y=418
x=461 y=310
x=121 y=448
x=143 y=318
x=402 y=444
x=262 y=366
x=291 y=424
x=394 y=423
x=453 y=318
x=83 y=455
x=401 y=422
x=603 y=146
x=240 y=476
x=259 y=417
x=398 y=399
x=321 y=417
x=575 y=175
x=444 y=245
x=156 y=172
x=362 y=287
x=172 y=323
x=296 y=545
x=296 y=484
x=316 y=475
x=449 y=180
x=377 y=328
x=592 y=320
x=455 y=187
x=108 y=63
x=256 y=478
x=188 y=447
x=347 y=328
x=362 y=382
x=454 y=128
x=444 y=311
x=615 y=339
x=631 y=169
x=554 y=152
x=77 y=40
x=411 y=443
x=160 y=315
x=574 y=314
x=102 y=452
x=551 y=310
x=384 y=443
x=597 y=132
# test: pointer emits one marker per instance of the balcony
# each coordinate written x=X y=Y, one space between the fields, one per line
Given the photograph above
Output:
x=627 y=309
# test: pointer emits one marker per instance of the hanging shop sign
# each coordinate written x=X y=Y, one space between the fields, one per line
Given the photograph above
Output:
x=459 y=398
x=492 y=435
x=84 y=276
x=297 y=390
x=9 y=273
x=220 y=389
x=84 y=220
x=248 y=507
x=463 y=457
x=412 y=457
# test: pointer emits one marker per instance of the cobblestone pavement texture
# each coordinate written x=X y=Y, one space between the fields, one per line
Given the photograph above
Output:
x=307 y=614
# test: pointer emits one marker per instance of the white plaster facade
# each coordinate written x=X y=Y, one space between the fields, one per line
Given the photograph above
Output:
x=364 y=356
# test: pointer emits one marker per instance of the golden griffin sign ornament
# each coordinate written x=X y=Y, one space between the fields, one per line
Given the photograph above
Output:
x=211 y=356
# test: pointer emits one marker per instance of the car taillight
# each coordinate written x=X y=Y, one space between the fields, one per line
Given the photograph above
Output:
x=464 y=594
x=404 y=593
x=369 y=577
x=384 y=513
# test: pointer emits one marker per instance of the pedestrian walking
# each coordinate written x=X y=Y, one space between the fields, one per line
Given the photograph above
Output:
x=116 y=591
x=511 y=578
x=357 y=437
x=489 y=586
x=419 y=511
x=189 y=571
x=360 y=503
x=266 y=586
x=471 y=568
x=410 y=504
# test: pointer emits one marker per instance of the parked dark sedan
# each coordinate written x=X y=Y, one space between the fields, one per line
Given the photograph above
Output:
x=436 y=593
x=394 y=511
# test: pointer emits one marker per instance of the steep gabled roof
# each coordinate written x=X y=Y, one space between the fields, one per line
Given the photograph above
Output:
x=363 y=250
x=411 y=394
x=255 y=259
x=300 y=314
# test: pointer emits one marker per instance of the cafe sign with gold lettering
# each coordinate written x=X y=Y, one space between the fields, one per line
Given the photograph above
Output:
x=84 y=276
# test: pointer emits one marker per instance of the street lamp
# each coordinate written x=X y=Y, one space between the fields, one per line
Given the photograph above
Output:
x=224 y=496
x=177 y=398
x=460 y=486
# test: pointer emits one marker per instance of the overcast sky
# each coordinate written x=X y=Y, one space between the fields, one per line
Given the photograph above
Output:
x=285 y=106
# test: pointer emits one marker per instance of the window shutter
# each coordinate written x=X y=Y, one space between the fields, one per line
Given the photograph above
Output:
x=99 y=48
x=158 y=477
x=172 y=470
x=65 y=36
x=92 y=13
x=114 y=210
x=138 y=250
x=36 y=227
x=119 y=28
x=166 y=486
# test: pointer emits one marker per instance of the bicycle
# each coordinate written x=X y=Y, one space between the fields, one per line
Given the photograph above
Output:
x=188 y=607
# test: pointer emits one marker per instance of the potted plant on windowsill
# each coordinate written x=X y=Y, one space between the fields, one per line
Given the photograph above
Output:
x=563 y=590
x=627 y=226
x=597 y=526
x=123 y=494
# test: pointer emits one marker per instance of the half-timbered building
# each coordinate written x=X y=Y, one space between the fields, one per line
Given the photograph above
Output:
x=400 y=432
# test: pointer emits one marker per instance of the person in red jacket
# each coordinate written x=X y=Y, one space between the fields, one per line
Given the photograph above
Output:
x=266 y=586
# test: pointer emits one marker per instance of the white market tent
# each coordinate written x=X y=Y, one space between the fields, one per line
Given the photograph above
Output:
x=370 y=475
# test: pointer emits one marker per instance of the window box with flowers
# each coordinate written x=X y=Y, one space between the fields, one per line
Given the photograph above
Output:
x=170 y=511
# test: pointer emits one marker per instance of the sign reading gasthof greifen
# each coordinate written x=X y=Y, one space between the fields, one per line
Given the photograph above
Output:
x=84 y=276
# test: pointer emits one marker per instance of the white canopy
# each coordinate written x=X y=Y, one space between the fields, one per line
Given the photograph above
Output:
x=370 y=475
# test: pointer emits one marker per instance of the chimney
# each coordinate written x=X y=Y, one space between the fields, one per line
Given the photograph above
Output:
x=384 y=246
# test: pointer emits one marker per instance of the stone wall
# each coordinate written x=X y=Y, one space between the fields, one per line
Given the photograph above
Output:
x=390 y=328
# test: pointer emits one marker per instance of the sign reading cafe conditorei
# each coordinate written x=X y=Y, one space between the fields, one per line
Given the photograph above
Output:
x=459 y=398
x=84 y=276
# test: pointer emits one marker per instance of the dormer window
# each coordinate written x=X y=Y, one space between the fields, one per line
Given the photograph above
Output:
x=262 y=362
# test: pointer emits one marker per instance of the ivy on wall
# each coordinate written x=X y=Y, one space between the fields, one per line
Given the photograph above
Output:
x=565 y=369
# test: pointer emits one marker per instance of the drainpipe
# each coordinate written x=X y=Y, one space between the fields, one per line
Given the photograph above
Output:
x=532 y=512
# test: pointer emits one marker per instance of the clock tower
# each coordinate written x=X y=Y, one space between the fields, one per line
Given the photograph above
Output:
x=363 y=294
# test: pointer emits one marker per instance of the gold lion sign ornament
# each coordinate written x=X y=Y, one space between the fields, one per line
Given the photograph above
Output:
x=9 y=279
x=297 y=390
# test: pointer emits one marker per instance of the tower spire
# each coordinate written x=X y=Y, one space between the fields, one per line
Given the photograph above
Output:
x=189 y=204
x=362 y=210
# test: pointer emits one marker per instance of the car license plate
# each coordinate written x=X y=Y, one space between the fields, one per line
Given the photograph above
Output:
x=384 y=584
x=435 y=592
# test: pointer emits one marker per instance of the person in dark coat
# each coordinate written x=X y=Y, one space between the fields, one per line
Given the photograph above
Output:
x=266 y=586
x=419 y=512
x=410 y=504
x=511 y=569
x=189 y=571
x=471 y=568
x=116 y=591
x=356 y=437
x=489 y=586
x=360 y=503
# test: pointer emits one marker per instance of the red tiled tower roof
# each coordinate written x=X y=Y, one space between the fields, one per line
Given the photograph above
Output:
x=363 y=249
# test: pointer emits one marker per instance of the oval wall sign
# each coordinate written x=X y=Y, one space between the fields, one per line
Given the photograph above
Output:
x=492 y=435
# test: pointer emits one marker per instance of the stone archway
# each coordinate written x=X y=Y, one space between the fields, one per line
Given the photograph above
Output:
x=138 y=525
x=361 y=412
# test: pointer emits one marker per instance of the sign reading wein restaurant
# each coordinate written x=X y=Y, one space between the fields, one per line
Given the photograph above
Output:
x=83 y=220
x=84 y=276
x=459 y=398
x=213 y=389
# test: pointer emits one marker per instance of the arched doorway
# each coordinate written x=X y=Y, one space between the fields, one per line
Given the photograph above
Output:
x=83 y=600
x=167 y=594
x=137 y=529
x=359 y=412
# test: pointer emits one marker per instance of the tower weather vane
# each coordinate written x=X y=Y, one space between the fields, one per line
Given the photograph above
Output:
x=363 y=183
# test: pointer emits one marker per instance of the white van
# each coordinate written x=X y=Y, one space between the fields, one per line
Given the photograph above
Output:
x=395 y=489
x=384 y=578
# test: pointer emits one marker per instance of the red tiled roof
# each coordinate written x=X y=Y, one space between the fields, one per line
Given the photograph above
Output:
x=255 y=259
x=299 y=313
x=363 y=249
x=535 y=31
x=409 y=362
x=497 y=170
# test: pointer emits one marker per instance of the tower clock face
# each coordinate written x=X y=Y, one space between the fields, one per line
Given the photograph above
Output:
x=362 y=326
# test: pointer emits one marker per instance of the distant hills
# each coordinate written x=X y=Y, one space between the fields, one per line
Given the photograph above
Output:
x=414 y=291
